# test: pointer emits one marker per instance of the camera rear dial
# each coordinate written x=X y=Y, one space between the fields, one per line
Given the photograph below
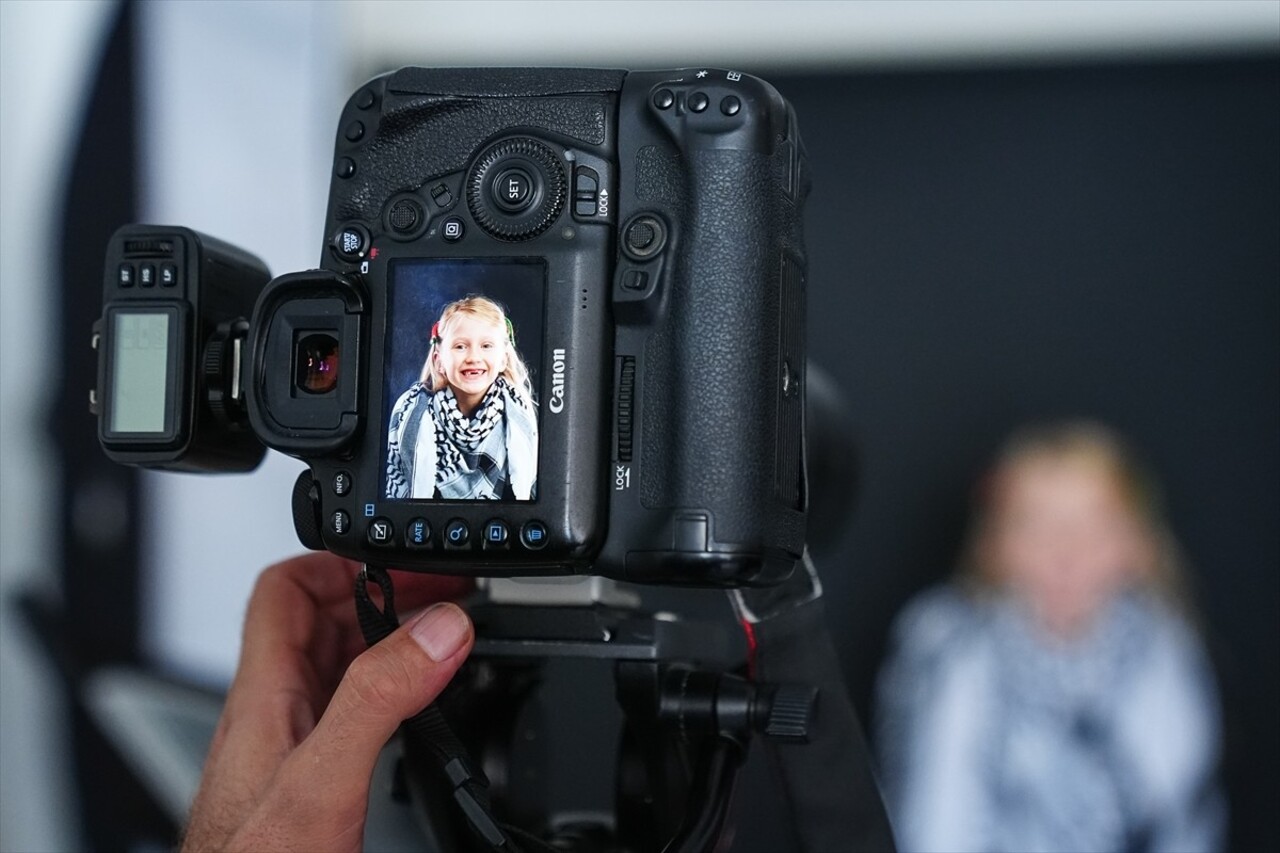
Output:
x=517 y=189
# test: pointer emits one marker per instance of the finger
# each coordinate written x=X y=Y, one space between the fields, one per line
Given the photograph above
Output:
x=383 y=686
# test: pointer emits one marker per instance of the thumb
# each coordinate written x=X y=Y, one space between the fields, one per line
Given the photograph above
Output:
x=385 y=685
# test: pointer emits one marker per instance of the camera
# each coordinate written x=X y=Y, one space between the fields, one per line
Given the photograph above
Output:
x=558 y=327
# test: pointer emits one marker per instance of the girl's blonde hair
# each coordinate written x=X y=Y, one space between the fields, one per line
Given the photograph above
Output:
x=485 y=309
x=1101 y=448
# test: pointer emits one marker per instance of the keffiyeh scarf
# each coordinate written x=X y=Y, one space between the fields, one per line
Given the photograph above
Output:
x=471 y=460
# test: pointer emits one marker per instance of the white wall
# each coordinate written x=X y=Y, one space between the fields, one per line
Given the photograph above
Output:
x=238 y=110
x=758 y=34
x=47 y=52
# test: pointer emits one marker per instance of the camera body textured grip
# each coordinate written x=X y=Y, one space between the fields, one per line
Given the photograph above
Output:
x=721 y=335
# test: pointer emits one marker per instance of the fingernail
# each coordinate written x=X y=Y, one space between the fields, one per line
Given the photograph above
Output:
x=441 y=631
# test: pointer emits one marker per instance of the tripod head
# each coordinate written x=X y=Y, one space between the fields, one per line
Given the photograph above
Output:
x=691 y=694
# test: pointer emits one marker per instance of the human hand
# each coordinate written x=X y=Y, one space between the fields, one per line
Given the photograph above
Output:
x=310 y=708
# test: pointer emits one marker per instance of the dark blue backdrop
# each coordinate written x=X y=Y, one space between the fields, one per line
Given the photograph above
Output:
x=419 y=291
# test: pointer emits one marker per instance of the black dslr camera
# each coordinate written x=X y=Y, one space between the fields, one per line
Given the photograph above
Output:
x=558 y=326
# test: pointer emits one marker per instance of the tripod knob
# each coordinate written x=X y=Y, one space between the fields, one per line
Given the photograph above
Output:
x=790 y=713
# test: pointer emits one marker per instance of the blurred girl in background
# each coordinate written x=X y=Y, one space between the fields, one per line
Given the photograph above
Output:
x=1054 y=696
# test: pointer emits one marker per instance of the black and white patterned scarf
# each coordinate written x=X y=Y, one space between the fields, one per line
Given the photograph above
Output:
x=469 y=463
x=470 y=458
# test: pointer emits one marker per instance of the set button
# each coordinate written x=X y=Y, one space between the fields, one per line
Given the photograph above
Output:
x=512 y=190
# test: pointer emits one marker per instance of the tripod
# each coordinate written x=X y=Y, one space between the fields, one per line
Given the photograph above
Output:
x=689 y=704
x=692 y=694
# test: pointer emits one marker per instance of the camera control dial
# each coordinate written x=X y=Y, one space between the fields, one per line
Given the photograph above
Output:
x=517 y=188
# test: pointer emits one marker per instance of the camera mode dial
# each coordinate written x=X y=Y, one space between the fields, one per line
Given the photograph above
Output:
x=517 y=189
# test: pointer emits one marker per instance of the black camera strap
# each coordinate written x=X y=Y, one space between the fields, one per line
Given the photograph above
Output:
x=427 y=732
x=829 y=782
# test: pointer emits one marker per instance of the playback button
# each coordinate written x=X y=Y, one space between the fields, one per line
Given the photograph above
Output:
x=496 y=534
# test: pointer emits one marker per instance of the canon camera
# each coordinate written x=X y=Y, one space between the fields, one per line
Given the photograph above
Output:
x=558 y=327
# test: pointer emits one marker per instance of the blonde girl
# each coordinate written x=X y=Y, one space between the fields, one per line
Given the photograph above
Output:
x=467 y=429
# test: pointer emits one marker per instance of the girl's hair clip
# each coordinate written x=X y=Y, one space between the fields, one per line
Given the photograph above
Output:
x=435 y=333
x=511 y=331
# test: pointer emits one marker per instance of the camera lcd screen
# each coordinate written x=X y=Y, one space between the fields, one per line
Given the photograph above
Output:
x=461 y=379
x=140 y=362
